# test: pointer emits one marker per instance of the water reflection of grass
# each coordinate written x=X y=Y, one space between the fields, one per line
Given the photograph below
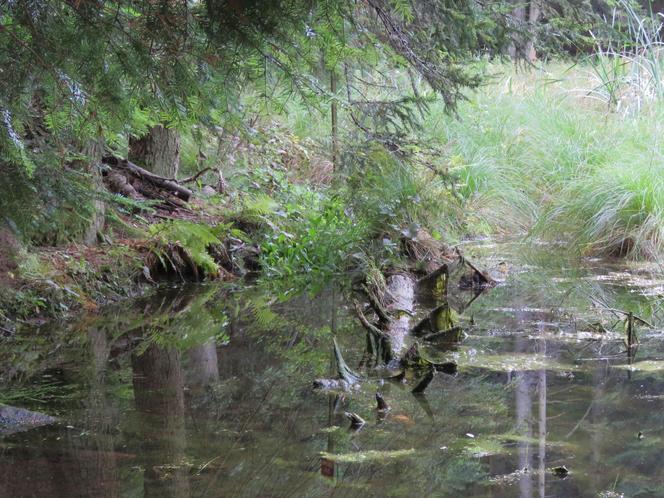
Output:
x=44 y=393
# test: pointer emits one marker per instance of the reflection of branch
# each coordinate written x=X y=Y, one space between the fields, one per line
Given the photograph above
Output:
x=617 y=312
x=580 y=421
x=424 y=404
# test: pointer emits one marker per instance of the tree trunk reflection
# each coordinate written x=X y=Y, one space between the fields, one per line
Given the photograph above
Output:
x=159 y=396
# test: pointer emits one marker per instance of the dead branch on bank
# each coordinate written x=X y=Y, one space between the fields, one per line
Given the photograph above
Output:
x=126 y=178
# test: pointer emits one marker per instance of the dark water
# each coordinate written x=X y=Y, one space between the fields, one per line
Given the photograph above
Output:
x=205 y=391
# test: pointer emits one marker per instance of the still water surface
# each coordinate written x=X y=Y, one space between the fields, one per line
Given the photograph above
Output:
x=205 y=391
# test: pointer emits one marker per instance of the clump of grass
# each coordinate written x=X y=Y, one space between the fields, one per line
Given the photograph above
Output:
x=619 y=212
x=530 y=155
x=630 y=76
x=391 y=195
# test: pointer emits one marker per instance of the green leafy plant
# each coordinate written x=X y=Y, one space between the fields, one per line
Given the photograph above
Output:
x=315 y=235
x=183 y=245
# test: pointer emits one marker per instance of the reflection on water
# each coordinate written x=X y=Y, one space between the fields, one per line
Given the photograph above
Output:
x=205 y=391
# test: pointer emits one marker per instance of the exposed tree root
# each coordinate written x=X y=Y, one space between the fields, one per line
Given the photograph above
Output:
x=388 y=335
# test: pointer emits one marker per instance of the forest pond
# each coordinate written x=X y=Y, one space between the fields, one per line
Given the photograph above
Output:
x=207 y=391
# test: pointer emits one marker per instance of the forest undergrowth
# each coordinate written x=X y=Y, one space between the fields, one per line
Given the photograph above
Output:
x=536 y=153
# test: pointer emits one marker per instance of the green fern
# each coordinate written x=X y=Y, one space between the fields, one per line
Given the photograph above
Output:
x=193 y=238
x=258 y=205
x=263 y=316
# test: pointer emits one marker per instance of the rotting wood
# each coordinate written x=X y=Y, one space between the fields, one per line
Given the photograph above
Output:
x=356 y=422
x=453 y=334
x=400 y=293
x=382 y=404
x=346 y=378
x=135 y=171
x=387 y=335
x=424 y=381
x=438 y=320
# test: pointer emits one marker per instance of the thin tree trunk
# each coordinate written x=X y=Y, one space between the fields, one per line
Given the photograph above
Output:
x=520 y=14
x=94 y=150
x=335 y=131
x=534 y=11
x=158 y=151
x=97 y=473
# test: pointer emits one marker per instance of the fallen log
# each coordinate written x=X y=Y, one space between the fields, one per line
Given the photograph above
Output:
x=144 y=175
x=400 y=296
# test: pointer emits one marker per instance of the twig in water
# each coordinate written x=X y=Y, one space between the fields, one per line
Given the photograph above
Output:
x=205 y=465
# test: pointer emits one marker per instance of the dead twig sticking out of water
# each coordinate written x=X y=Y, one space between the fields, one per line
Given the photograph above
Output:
x=618 y=312
x=356 y=422
x=632 y=340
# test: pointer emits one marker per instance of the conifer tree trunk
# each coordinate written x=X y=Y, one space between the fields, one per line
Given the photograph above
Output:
x=526 y=14
x=534 y=11
x=335 y=132
x=158 y=383
x=94 y=150
x=158 y=151
x=519 y=14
